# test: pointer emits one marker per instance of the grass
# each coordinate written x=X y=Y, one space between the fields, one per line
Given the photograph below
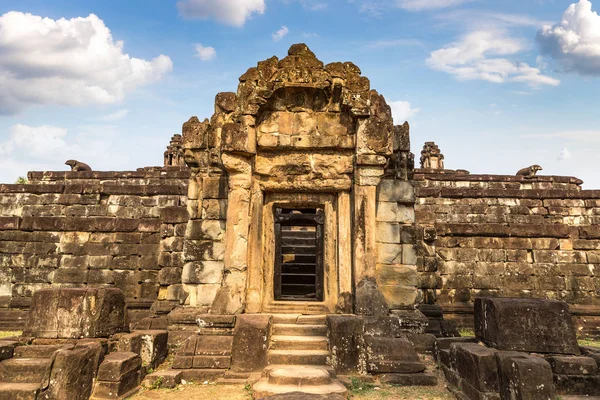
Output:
x=466 y=332
x=588 y=342
x=7 y=334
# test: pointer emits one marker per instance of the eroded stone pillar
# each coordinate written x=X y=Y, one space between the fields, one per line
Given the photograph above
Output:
x=231 y=296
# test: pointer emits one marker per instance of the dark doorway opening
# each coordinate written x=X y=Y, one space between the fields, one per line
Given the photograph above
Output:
x=299 y=254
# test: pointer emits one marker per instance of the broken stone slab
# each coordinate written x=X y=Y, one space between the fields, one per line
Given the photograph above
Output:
x=578 y=385
x=76 y=313
x=118 y=376
x=573 y=365
x=198 y=316
x=116 y=365
x=153 y=347
x=168 y=379
x=385 y=348
x=345 y=342
x=525 y=377
x=531 y=325
x=250 y=342
x=369 y=300
x=476 y=365
x=73 y=372
x=7 y=348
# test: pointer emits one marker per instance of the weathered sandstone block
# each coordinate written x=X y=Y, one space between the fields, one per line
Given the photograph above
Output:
x=76 y=313
x=533 y=325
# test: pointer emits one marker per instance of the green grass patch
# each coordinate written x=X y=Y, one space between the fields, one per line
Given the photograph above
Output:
x=7 y=334
x=466 y=332
x=588 y=342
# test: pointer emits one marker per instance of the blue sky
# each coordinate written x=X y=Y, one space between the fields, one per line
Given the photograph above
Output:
x=498 y=85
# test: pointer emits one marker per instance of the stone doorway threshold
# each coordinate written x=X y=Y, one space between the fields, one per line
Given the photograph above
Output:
x=296 y=308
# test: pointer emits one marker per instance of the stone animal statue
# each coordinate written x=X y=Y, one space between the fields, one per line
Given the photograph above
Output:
x=530 y=171
x=78 y=166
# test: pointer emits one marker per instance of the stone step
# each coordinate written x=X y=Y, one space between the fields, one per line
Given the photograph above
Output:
x=37 y=351
x=297 y=357
x=25 y=370
x=285 y=318
x=312 y=320
x=328 y=368
x=263 y=388
x=298 y=330
x=280 y=342
x=304 y=375
x=19 y=391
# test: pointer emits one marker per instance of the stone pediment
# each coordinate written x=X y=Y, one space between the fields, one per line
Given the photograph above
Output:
x=293 y=104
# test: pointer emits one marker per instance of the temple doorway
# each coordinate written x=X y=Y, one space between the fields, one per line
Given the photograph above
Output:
x=298 y=272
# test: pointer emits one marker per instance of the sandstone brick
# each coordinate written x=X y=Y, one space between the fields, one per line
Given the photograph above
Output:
x=205 y=230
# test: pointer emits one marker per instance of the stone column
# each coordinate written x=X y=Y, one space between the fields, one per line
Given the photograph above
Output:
x=254 y=294
x=231 y=296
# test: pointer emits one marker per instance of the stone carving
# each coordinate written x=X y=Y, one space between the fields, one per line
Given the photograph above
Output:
x=174 y=153
x=530 y=171
x=78 y=166
x=431 y=156
x=296 y=126
x=401 y=164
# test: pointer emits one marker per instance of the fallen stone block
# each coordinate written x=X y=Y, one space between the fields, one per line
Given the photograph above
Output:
x=345 y=342
x=477 y=366
x=73 y=371
x=525 y=377
x=153 y=347
x=250 y=342
x=118 y=376
x=564 y=365
x=577 y=385
x=76 y=313
x=162 y=379
x=6 y=349
x=530 y=325
x=116 y=365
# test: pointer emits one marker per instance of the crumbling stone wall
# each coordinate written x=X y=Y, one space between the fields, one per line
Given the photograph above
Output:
x=75 y=229
x=512 y=237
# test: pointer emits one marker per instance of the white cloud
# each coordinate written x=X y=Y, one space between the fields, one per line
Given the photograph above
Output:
x=67 y=62
x=481 y=55
x=205 y=53
x=281 y=33
x=115 y=116
x=46 y=148
x=574 y=42
x=229 y=12
x=565 y=154
x=40 y=142
x=402 y=111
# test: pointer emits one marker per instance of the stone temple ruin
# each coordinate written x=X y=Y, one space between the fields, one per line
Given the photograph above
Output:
x=290 y=242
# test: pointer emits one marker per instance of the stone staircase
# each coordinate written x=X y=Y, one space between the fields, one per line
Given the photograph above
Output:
x=297 y=358
x=24 y=375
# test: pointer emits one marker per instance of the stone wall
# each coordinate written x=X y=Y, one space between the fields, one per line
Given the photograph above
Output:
x=75 y=229
x=512 y=237
x=397 y=276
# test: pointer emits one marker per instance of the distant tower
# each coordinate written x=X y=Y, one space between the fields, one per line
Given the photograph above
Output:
x=174 y=153
x=431 y=156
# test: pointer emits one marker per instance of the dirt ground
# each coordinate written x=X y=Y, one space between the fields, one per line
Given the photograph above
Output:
x=214 y=392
